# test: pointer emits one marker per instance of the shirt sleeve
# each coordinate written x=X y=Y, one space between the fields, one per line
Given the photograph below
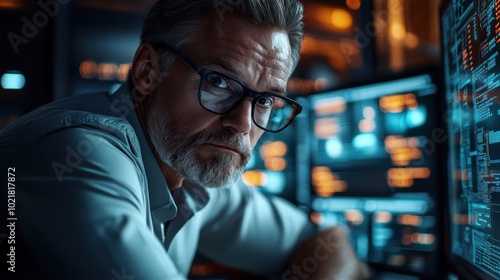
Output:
x=252 y=231
x=82 y=209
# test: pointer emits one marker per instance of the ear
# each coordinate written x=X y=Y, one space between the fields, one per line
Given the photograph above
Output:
x=146 y=69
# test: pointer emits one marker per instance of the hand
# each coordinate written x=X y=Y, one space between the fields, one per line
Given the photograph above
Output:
x=326 y=256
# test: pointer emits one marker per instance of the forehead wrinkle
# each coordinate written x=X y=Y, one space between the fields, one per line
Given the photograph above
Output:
x=265 y=61
x=254 y=46
x=277 y=66
x=228 y=67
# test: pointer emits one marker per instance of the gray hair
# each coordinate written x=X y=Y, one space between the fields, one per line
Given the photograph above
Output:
x=173 y=22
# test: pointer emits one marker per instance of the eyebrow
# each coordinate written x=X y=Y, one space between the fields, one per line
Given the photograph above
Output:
x=228 y=67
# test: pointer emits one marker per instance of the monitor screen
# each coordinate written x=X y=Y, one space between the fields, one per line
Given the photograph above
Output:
x=470 y=38
x=374 y=168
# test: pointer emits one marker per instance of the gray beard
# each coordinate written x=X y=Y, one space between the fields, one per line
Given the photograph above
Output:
x=178 y=151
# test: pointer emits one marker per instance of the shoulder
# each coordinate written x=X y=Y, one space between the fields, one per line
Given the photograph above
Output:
x=70 y=121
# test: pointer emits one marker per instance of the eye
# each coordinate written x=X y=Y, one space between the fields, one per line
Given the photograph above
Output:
x=265 y=101
x=218 y=81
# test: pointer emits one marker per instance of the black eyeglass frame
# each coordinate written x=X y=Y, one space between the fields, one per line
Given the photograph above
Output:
x=203 y=72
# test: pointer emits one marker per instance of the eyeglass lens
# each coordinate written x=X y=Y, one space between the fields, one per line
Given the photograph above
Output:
x=220 y=95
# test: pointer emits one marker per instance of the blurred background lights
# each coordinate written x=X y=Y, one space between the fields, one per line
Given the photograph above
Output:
x=13 y=80
x=88 y=69
x=269 y=181
x=104 y=71
x=369 y=112
x=273 y=149
x=365 y=140
x=275 y=163
x=416 y=117
x=11 y=4
x=397 y=31
x=353 y=4
x=334 y=147
x=341 y=19
x=275 y=182
x=123 y=71
x=382 y=217
x=354 y=216
x=107 y=71
x=254 y=178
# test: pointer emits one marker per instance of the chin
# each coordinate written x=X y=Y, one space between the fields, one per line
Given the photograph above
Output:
x=220 y=177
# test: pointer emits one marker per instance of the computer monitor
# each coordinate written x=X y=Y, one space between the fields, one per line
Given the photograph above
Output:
x=374 y=167
x=470 y=38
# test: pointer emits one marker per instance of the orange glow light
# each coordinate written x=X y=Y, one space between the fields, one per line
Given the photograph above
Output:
x=11 y=4
x=410 y=220
x=392 y=104
x=354 y=216
x=341 y=19
x=329 y=106
x=326 y=128
x=403 y=156
x=123 y=72
x=383 y=217
x=325 y=182
x=393 y=142
x=397 y=31
x=88 y=69
x=353 y=4
x=366 y=125
x=275 y=163
x=397 y=103
x=317 y=218
x=411 y=40
x=107 y=71
x=254 y=178
x=410 y=101
x=403 y=177
x=423 y=238
x=273 y=149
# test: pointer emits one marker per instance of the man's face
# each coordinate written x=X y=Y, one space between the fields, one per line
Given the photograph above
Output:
x=211 y=149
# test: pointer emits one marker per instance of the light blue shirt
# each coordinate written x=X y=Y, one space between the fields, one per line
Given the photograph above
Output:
x=92 y=203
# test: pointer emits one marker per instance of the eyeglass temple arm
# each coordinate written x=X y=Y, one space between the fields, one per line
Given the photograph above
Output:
x=183 y=58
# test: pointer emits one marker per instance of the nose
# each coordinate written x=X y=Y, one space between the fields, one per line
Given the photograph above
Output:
x=239 y=120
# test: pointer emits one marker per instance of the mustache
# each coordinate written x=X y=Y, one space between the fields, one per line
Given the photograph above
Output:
x=223 y=138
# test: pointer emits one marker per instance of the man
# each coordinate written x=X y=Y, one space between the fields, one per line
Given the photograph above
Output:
x=134 y=183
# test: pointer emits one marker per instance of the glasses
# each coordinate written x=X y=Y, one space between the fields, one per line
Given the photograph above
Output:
x=220 y=94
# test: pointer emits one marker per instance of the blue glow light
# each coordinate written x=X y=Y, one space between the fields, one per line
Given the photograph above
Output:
x=13 y=80
x=275 y=182
x=365 y=140
x=416 y=117
x=333 y=147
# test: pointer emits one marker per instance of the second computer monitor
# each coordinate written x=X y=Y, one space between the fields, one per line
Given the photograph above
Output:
x=375 y=151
